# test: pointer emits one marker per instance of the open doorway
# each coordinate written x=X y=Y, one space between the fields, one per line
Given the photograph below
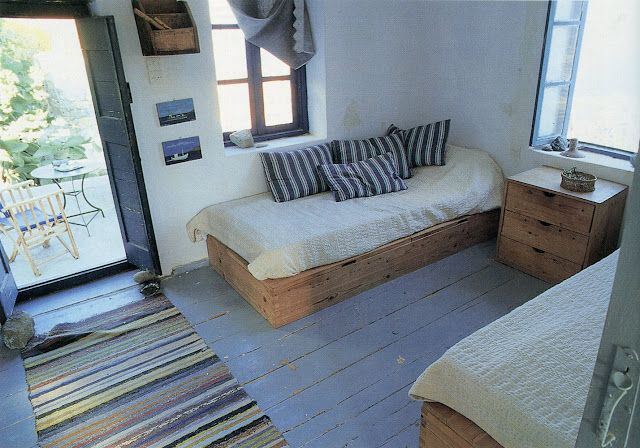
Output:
x=49 y=142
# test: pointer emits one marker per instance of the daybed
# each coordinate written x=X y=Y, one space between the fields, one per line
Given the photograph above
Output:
x=293 y=258
x=523 y=380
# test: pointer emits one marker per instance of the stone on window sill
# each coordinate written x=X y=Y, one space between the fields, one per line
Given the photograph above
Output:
x=281 y=144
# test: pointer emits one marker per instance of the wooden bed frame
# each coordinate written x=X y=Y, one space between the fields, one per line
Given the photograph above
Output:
x=285 y=300
x=442 y=427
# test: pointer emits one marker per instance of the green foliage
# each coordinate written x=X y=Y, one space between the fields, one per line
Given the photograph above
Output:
x=20 y=158
x=31 y=132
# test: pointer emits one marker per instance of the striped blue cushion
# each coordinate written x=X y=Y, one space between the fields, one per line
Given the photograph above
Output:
x=348 y=151
x=425 y=145
x=294 y=174
x=29 y=219
x=370 y=177
x=393 y=129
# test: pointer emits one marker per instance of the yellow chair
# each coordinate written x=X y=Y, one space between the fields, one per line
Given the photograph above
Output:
x=30 y=221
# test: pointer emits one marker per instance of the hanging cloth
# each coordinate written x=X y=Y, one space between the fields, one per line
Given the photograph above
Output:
x=279 y=26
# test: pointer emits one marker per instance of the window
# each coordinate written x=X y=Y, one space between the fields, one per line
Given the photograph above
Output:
x=255 y=89
x=588 y=86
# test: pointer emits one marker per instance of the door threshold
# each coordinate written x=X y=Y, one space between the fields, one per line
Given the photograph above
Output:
x=72 y=280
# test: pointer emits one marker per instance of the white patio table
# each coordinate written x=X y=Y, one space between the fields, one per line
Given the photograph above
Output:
x=86 y=166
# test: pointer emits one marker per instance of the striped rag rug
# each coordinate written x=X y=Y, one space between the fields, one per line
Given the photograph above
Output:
x=139 y=376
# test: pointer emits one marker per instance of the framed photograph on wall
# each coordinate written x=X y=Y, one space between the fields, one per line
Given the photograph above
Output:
x=177 y=111
x=181 y=150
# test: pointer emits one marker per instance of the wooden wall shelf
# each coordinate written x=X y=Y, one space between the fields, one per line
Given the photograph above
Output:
x=165 y=27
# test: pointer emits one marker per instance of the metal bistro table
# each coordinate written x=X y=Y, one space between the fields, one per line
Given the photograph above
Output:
x=50 y=173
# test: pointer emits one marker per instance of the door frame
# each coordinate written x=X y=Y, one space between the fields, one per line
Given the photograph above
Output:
x=72 y=9
x=41 y=9
x=69 y=281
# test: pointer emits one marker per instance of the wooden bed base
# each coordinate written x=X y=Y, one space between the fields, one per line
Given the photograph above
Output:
x=442 y=427
x=285 y=300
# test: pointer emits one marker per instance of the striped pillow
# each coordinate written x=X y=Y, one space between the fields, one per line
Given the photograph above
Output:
x=425 y=145
x=370 y=177
x=348 y=151
x=393 y=129
x=294 y=174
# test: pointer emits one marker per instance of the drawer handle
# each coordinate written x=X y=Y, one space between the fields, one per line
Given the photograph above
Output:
x=544 y=223
x=549 y=194
x=540 y=251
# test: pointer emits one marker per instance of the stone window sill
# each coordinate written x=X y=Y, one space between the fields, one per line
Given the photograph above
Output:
x=590 y=161
x=281 y=144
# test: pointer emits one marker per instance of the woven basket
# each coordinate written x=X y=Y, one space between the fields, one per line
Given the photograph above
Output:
x=586 y=184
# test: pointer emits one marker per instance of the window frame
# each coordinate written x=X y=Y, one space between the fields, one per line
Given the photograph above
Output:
x=536 y=140
x=551 y=24
x=261 y=132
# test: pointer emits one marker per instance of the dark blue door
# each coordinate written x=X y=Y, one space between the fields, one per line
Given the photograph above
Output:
x=111 y=99
x=8 y=288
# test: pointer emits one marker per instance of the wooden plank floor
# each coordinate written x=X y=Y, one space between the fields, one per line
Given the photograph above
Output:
x=338 y=378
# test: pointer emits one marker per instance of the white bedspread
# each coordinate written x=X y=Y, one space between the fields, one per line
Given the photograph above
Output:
x=524 y=378
x=282 y=239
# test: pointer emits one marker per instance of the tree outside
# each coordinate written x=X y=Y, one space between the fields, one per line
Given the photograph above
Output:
x=44 y=112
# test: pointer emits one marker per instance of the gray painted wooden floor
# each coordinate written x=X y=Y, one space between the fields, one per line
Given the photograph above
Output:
x=338 y=378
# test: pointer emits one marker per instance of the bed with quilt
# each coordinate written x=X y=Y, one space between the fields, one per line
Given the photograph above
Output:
x=326 y=232
x=521 y=381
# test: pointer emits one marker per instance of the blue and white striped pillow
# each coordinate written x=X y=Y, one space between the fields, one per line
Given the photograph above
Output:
x=393 y=129
x=370 y=177
x=294 y=174
x=426 y=145
x=348 y=151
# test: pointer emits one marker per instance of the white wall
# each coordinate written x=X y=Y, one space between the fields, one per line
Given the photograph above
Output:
x=480 y=64
x=371 y=65
x=378 y=61
x=177 y=192
x=360 y=80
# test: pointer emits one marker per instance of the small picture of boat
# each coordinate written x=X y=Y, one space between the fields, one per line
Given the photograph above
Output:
x=181 y=150
x=174 y=112
x=179 y=157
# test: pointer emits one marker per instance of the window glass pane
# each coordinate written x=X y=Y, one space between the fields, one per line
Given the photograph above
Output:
x=234 y=107
x=563 y=49
x=221 y=13
x=229 y=54
x=568 y=10
x=554 y=106
x=272 y=66
x=606 y=109
x=277 y=102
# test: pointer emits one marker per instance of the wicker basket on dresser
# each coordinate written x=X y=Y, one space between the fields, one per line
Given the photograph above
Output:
x=552 y=233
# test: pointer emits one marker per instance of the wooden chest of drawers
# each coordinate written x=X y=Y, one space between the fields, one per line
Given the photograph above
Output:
x=552 y=233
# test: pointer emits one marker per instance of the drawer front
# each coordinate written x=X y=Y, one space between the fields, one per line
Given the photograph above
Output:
x=536 y=233
x=552 y=208
x=536 y=262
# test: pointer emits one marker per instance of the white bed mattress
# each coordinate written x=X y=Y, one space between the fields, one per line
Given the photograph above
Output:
x=524 y=378
x=282 y=239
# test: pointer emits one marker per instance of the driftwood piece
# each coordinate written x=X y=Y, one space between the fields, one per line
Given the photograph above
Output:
x=150 y=20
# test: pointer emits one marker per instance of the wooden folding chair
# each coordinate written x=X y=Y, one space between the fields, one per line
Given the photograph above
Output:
x=30 y=221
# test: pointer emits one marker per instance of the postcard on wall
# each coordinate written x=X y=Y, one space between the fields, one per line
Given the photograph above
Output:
x=174 y=112
x=181 y=150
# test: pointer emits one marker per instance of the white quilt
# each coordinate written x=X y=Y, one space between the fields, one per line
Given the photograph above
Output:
x=282 y=239
x=524 y=378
